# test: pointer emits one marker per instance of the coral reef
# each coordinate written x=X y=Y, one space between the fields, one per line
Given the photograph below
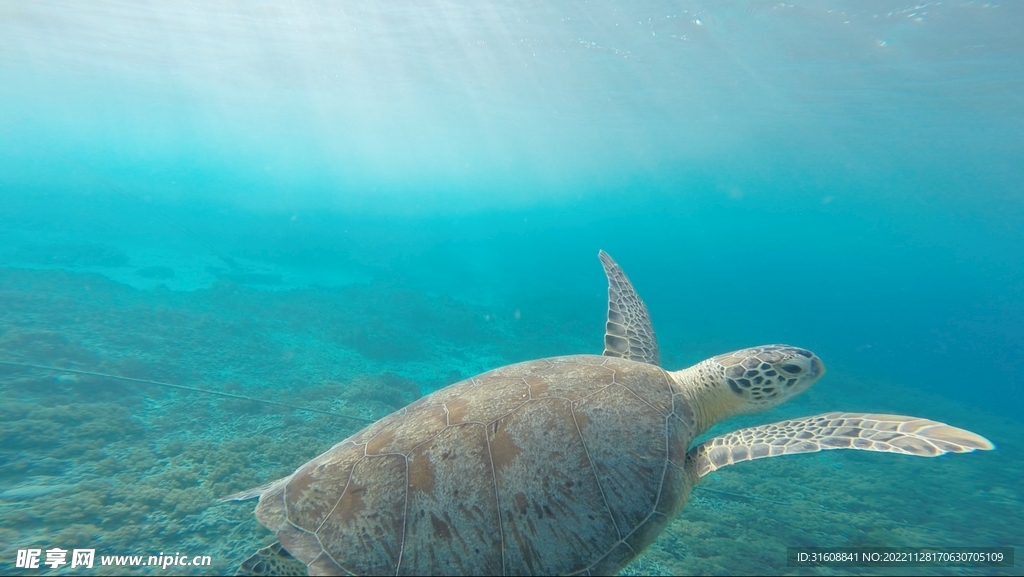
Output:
x=386 y=389
x=84 y=254
x=136 y=468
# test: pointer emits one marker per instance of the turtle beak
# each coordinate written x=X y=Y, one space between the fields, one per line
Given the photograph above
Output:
x=817 y=367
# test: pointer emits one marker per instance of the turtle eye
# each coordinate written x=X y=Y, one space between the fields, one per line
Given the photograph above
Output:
x=792 y=369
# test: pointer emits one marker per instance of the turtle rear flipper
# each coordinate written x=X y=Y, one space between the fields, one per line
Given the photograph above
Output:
x=272 y=560
x=864 y=431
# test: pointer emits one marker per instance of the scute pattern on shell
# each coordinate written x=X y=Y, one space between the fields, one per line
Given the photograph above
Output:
x=555 y=466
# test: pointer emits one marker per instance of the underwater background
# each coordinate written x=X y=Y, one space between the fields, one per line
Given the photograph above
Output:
x=344 y=206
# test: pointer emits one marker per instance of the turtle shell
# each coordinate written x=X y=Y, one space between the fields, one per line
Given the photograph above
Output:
x=555 y=466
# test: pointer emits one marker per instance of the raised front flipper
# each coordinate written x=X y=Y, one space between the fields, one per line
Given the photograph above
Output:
x=864 y=431
x=628 y=332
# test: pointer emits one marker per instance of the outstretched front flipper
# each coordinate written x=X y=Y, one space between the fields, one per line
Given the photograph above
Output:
x=628 y=332
x=864 y=431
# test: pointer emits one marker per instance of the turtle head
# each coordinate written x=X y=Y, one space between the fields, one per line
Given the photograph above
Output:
x=766 y=376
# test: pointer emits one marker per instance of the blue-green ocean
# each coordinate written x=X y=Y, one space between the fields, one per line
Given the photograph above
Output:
x=209 y=207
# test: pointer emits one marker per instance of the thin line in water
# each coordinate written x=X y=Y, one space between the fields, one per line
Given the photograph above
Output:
x=185 y=388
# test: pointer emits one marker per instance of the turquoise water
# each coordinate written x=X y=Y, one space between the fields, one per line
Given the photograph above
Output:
x=343 y=207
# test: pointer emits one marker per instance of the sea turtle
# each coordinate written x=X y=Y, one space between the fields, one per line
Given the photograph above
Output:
x=565 y=465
